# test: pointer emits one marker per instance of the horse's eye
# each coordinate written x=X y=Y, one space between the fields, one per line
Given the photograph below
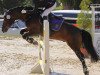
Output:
x=8 y=16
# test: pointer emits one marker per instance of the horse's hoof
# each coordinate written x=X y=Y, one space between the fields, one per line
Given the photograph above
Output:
x=87 y=73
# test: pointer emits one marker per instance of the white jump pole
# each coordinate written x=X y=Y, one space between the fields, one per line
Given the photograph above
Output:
x=93 y=7
x=93 y=21
x=95 y=32
x=42 y=67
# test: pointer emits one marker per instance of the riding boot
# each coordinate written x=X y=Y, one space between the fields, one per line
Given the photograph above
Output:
x=45 y=18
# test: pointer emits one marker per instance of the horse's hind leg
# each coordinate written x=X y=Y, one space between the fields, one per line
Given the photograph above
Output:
x=81 y=57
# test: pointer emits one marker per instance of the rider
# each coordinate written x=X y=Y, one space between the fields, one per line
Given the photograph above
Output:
x=46 y=5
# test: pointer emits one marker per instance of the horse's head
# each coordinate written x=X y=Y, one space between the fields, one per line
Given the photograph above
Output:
x=14 y=14
x=8 y=21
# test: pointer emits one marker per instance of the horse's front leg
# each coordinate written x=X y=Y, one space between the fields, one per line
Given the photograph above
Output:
x=26 y=36
x=82 y=59
x=22 y=32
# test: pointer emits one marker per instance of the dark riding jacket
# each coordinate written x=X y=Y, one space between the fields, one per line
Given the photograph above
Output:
x=43 y=3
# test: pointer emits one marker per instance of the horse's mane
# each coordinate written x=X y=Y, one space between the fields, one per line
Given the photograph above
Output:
x=20 y=8
x=34 y=15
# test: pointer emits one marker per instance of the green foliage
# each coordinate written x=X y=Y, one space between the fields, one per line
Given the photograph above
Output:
x=9 y=4
x=70 y=4
x=85 y=4
x=1 y=7
x=25 y=3
x=84 y=18
x=5 y=4
x=63 y=1
x=59 y=8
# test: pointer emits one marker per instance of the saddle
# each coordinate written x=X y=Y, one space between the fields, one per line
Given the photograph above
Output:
x=55 y=22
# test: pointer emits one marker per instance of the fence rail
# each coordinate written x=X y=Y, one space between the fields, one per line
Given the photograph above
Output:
x=1 y=16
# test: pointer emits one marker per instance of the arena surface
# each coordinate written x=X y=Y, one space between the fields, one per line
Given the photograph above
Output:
x=17 y=57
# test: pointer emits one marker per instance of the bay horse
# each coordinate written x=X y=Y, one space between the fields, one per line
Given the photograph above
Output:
x=73 y=36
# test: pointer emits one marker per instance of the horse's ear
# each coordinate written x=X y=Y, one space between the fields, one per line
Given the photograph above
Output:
x=5 y=10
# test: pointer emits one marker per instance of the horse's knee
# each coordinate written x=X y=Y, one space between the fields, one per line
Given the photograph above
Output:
x=23 y=31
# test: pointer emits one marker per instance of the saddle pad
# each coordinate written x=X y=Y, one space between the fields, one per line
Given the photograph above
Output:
x=55 y=22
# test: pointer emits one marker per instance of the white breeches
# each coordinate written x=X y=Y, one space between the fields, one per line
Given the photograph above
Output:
x=47 y=11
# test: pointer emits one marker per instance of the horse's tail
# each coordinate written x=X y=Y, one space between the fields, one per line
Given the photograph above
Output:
x=87 y=41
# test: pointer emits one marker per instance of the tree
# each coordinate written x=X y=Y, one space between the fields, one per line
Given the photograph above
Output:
x=9 y=4
x=70 y=4
x=5 y=4
x=96 y=1
x=1 y=6
x=84 y=18
x=25 y=2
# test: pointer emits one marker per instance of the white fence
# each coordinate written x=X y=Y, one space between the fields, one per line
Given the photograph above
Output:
x=1 y=16
x=96 y=26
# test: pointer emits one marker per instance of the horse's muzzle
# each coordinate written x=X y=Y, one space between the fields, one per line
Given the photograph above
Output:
x=4 y=29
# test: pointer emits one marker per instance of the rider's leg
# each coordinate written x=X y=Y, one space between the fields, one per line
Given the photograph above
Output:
x=47 y=11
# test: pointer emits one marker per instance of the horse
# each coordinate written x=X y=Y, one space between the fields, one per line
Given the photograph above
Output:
x=73 y=36
x=16 y=16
